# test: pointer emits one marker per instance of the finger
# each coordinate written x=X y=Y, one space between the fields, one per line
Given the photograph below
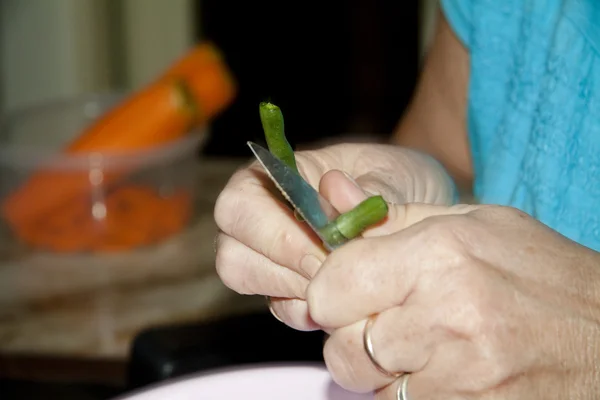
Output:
x=403 y=340
x=248 y=272
x=341 y=190
x=248 y=212
x=427 y=385
x=345 y=193
x=293 y=313
x=391 y=392
x=372 y=274
x=402 y=216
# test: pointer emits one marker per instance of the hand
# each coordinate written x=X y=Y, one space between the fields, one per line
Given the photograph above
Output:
x=263 y=249
x=474 y=302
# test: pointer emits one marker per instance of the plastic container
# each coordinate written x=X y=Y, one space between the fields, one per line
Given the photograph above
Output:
x=259 y=382
x=152 y=199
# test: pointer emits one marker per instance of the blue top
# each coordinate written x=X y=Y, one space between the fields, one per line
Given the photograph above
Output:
x=534 y=107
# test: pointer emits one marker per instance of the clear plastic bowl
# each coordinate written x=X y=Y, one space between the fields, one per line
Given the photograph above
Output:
x=151 y=200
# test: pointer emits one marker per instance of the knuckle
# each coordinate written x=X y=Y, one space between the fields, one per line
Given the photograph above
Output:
x=230 y=203
x=498 y=370
x=500 y=214
x=339 y=361
x=327 y=287
x=225 y=209
x=317 y=312
x=227 y=263
x=474 y=316
x=282 y=239
x=508 y=211
x=345 y=274
x=488 y=370
x=448 y=234
x=471 y=319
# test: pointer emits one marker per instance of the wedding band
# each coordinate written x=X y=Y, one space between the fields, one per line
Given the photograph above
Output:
x=368 y=345
x=268 y=298
x=403 y=388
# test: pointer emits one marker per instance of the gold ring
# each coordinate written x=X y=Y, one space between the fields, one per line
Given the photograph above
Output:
x=368 y=345
x=268 y=298
x=401 y=393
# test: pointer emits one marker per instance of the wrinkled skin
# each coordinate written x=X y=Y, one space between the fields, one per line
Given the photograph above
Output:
x=476 y=302
x=261 y=247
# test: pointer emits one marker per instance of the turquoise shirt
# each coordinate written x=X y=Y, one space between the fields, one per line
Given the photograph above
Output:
x=534 y=107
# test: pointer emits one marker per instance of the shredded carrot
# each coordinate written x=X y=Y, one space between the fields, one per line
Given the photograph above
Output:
x=155 y=116
x=193 y=90
x=133 y=217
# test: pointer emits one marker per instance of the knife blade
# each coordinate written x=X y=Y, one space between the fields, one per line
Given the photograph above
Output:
x=315 y=209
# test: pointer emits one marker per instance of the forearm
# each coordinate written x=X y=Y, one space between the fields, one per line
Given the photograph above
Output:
x=435 y=122
x=453 y=156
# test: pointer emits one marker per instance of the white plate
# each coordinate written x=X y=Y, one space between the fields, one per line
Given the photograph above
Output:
x=259 y=382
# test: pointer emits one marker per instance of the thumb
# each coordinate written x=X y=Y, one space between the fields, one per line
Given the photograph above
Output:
x=342 y=191
x=345 y=193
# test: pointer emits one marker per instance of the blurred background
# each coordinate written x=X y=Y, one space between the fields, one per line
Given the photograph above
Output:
x=335 y=68
x=90 y=326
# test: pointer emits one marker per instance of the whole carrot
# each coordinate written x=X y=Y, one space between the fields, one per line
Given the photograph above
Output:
x=210 y=82
x=158 y=114
x=188 y=94
x=204 y=53
x=155 y=116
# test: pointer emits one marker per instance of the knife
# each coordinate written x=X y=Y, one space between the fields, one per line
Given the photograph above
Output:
x=334 y=229
x=313 y=208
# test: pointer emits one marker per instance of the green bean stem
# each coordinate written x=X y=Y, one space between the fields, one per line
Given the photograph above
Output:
x=352 y=223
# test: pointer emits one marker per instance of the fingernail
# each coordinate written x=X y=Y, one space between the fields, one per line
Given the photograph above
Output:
x=351 y=179
x=272 y=310
x=355 y=196
x=309 y=265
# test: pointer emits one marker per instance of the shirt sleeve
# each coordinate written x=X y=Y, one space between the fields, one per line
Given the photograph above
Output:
x=459 y=14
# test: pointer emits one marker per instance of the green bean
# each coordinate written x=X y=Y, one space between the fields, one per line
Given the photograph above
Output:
x=351 y=224
x=346 y=226
x=271 y=118
x=272 y=123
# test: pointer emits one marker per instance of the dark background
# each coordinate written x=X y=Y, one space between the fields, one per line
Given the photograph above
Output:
x=333 y=67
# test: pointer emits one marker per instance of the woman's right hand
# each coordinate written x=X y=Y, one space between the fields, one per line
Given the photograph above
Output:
x=263 y=249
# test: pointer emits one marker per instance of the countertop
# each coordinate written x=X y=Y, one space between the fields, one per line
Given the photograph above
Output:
x=88 y=309
x=91 y=307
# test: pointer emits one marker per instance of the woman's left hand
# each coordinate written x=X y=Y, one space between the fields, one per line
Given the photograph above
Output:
x=474 y=302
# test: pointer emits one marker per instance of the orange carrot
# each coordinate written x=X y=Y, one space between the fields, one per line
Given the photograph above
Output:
x=211 y=85
x=188 y=94
x=64 y=231
x=156 y=115
x=193 y=61
x=136 y=216
x=212 y=88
